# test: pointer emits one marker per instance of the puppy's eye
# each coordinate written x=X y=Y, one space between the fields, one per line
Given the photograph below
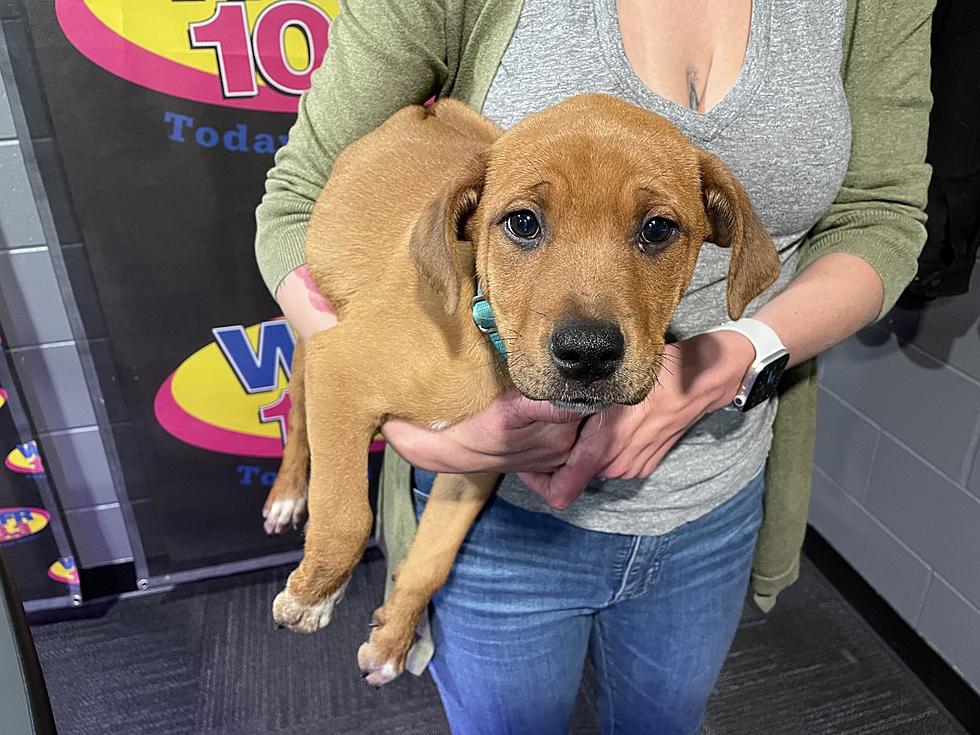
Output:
x=657 y=231
x=523 y=224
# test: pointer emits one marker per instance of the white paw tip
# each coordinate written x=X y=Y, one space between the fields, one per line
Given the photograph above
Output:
x=288 y=611
x=284 y=513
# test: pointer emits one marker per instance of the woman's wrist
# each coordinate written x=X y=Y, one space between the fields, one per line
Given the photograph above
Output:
x=720 y=360
x=404 y=438
x=430 y=449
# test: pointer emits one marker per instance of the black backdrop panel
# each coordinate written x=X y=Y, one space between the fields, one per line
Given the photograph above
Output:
x=165 y=160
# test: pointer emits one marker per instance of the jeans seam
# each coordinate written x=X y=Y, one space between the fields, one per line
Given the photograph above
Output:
x=608 y=679
x=658 y=558
x=634 y=548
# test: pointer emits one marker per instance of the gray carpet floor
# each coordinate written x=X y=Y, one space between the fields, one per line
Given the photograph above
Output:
x=206 y=658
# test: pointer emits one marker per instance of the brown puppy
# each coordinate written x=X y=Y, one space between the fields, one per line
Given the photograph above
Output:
x=582 y=226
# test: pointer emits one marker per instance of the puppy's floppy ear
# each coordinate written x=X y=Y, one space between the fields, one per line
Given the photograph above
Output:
x=440 y=232
x=754 y=263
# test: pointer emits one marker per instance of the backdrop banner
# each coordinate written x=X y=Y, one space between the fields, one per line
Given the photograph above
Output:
x=28 y=543
x=167 y=114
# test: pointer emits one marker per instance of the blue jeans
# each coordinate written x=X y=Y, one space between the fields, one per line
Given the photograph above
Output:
x=529 y=595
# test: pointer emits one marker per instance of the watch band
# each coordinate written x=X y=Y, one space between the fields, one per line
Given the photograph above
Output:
x=761 y=335
x=768 y=350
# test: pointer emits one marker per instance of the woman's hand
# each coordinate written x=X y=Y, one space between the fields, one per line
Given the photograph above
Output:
x=699 y=375
x=515 y=434
x=824 y=304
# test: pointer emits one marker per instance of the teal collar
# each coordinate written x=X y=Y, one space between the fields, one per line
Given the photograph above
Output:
x=486 y=322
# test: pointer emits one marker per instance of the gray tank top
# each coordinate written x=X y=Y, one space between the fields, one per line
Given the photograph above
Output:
x=785 y=132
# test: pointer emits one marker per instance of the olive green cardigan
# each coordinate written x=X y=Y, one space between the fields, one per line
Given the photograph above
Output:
x=384 y=55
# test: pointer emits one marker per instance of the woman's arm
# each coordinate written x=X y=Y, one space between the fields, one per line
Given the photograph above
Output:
x=853 y=266
x=830 y=300
x=382 y=56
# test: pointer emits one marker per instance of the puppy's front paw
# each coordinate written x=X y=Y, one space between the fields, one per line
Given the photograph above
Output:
x=282 y=513
x=289 y=611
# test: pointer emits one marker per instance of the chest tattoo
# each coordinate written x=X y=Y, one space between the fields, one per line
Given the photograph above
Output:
x=692 y=90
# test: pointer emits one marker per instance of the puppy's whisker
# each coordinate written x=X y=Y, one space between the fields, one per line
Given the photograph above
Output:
x=660 y=365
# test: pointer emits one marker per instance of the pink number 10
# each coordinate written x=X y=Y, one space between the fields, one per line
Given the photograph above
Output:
x=238 y=55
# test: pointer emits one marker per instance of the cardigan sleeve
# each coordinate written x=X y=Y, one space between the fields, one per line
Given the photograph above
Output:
x=382 y=56
x=878 y=214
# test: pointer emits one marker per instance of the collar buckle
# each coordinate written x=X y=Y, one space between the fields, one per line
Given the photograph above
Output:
x=485 y=321
x=483 y=314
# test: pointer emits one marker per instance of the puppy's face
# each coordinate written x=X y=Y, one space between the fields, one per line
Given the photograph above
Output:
x=587 y=220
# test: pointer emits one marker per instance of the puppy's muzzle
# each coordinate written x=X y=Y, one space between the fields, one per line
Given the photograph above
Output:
x=587 y=351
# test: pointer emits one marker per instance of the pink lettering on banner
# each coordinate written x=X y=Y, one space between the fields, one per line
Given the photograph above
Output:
x=270 y=43
x=227 y=33
x=278 y=411
x=241 y=55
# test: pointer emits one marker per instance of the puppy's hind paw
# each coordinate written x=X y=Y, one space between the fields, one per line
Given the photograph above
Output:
x=378 y=666
x=287 y=610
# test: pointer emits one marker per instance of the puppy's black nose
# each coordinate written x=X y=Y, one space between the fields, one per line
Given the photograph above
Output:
x=587 y=351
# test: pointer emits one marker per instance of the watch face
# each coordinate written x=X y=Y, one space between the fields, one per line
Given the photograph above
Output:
x=765 y=383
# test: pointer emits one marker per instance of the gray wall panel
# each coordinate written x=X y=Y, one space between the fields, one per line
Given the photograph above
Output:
x=55 y=390
x=918 y=399
x=31 y=309
x=6 y=119
x=974 y=484
x=888 y=565
x=20 y=224
x=939 y=521
x=29 y=88
x=99 y=535
x=77 y=462
x=845 y=444
x=912 y=383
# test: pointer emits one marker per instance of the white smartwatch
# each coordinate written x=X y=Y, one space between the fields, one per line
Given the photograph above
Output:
x=762 y=377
